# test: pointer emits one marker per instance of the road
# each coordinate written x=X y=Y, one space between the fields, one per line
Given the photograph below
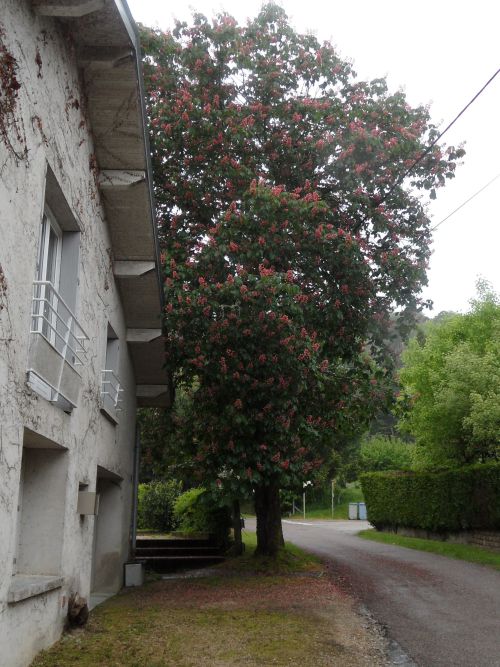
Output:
x=441 y=611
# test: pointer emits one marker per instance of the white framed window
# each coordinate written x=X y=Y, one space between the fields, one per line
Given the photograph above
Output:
x=57 y=343
x=111 y=388
x=48 y=273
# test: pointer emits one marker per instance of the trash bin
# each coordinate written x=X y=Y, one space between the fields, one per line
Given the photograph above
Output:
x=353 y=510
x=362 y=511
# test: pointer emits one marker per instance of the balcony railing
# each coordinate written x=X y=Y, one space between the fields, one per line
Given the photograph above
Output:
x=110 y=391
x=56 y=322
x=57 y=347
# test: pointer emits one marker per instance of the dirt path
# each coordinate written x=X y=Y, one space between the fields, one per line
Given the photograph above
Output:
x=443 y=612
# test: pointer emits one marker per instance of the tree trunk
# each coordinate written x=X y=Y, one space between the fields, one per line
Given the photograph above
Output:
x=268 y=513
x=238 y=542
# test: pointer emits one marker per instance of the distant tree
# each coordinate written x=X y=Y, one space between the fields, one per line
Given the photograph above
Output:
x=167 y=445
x=451 y=385
x=287 y=239
x=380 y=452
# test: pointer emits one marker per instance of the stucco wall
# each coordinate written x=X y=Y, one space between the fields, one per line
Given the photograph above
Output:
x=49 y=127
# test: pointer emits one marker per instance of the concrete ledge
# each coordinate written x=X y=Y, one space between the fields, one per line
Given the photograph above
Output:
x=25 y=586
x=489 y=539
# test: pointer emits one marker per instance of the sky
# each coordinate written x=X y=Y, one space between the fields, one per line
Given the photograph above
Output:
x=441 y=53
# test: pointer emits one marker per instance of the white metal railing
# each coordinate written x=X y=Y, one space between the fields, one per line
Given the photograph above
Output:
x=56 y=322
x=110 y=390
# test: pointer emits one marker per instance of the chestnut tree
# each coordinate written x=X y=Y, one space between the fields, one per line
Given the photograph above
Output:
x=288 y=235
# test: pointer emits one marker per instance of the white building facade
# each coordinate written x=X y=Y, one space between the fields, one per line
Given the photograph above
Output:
x=80 y=308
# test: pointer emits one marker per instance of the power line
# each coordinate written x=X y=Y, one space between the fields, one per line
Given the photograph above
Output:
x=428 y=149
x=465 y=202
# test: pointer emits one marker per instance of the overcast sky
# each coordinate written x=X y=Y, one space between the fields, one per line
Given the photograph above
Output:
x=441 y=53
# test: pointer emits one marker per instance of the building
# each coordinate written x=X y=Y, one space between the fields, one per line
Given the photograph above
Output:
x=80 y=307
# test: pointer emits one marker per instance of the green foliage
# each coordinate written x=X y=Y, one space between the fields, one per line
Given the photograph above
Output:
x=167 y=441
x=320 y=506
x=380 y=452
x=451 y=383
x=196 y=511
x=285 y=239
x=155 y=509
x=466 y=552
x=450 y=500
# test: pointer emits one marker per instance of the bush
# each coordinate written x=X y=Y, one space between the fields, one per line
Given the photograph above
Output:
x=197 y=512
x=155 y=509
x=380 y=452
x=449 y=500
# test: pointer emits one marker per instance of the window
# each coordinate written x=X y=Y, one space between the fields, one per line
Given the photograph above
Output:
x=110 y=384
x=47 y=279
x=57 y=343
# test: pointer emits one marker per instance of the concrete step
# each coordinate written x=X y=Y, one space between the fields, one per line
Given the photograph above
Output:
x=163 y=555
x=168 y=563
x=141 y=552
x=184 y=543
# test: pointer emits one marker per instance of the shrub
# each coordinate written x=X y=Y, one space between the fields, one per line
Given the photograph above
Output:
x=380 y=452
x=155 y=509
x=449 y=500
x=197 y=512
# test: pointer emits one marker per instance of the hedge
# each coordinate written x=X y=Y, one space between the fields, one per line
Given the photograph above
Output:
x=195 y=511
x=445 y=501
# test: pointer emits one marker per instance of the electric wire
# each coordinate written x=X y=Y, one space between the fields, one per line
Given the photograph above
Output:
x=448 y=127
x=465 y=202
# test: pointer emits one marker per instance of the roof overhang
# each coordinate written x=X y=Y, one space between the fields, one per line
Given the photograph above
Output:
x=108 y=52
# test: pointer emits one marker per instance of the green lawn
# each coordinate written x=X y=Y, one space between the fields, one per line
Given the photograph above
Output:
x=466 y=552
x=351 y=494
x=291 y=559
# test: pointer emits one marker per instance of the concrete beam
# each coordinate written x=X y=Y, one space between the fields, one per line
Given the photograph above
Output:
x=150 y=390
x=110 y=56
x=67 y=8
x=119 y=178
x=132 y=269
x=142 y=335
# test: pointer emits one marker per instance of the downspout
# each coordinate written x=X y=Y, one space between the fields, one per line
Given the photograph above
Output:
x=135 y=489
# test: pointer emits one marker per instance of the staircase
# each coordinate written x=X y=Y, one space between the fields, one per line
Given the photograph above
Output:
x=162 y=555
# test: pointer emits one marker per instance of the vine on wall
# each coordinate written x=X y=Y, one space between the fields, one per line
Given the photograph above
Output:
x=9 y=87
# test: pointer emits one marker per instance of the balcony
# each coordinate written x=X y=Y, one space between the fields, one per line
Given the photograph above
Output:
x=110 y=394
x=57 y=347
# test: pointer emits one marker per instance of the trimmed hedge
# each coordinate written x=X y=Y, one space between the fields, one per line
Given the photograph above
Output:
x=446 y=501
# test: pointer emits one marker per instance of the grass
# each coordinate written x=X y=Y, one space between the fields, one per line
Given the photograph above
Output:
x=254 y=615
x=351 y=494
x=466 y=552
x=291 y=559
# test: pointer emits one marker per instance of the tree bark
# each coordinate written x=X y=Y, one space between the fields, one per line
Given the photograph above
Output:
x=268 y=513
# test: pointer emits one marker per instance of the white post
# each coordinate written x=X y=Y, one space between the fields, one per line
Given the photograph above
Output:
x=304 y=503
x=333 y=496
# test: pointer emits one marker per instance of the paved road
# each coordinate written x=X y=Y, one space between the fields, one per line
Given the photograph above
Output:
x=442 y=612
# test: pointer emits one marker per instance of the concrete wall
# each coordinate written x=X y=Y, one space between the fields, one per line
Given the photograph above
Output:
x=49 y=128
